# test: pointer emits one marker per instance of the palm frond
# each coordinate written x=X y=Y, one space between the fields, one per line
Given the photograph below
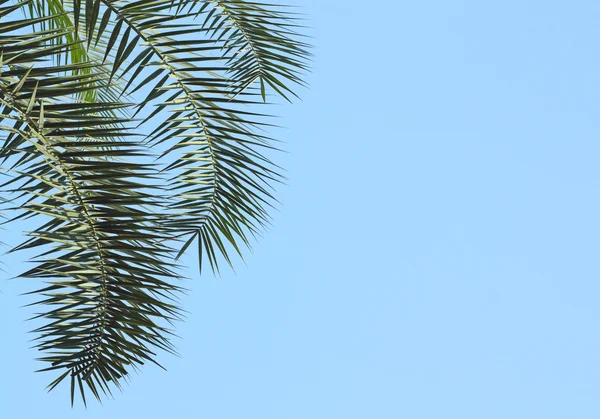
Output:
x=109 y=279
x=115 y=223
x=261 y=41
x=222 y=186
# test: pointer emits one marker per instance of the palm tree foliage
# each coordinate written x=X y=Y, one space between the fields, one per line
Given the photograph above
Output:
x=128 y=131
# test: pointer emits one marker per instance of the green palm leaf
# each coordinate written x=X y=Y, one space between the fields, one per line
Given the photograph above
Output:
x=114 y=222
x=109 y=282
x=261 y=41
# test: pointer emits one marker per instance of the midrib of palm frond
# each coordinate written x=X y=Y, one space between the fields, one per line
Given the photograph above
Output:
x=77 y=51
x=80 y=51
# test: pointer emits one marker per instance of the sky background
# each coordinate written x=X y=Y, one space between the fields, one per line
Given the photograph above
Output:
x=436 y=253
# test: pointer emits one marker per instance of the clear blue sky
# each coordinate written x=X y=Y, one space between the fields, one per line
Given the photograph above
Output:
x=437 y=253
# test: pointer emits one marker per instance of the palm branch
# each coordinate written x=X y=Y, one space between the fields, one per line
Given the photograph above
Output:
x=114 y=221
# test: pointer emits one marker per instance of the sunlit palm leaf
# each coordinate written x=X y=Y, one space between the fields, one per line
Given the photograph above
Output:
x=194 y=68
x=109 y=279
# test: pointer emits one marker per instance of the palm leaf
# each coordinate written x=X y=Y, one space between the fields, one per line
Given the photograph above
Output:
x=262 y=42
x=221 y=177
x=109 y=279
x=113 y=223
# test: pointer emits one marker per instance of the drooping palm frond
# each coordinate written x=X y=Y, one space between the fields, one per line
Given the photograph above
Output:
x=261 y=41
x=222 y=178
x=109 y=279
x=194 y=69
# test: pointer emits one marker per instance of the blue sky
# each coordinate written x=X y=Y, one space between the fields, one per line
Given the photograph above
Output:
x=436 y=254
